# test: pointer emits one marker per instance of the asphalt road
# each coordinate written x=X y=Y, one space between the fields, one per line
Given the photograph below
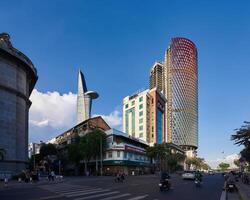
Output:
x=134 y=188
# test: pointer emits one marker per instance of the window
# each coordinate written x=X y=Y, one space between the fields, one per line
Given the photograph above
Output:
x=118 y=154
x=125 y=155
x=126 y=106
x=140 y=120
x=140 y=106
x=140 y=128
x=110 y=154
x=140 y=99
x=140 y=113
x=141 y=135
x=133 y=103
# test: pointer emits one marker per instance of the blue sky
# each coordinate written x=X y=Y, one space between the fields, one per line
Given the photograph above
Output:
x=116 y=42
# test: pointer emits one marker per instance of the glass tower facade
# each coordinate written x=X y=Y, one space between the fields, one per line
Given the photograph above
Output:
x=181 y=90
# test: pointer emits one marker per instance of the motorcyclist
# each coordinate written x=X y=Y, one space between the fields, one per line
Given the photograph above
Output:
x=165 y=182
x=198 y=176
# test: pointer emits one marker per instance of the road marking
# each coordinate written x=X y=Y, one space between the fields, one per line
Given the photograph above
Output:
x=87 y=192
x=51 y=197
x=81 y=191
x=116 y=197
x=98 y=195
x=71 y=189
x=139 y=197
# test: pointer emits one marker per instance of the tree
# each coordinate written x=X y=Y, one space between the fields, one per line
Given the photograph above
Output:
x=47 y=150
x=96 y=140
x=224 y=166
x=242 y=135
x=161 y=153
x=2 y=153
x=245 y=153
x=237 y=162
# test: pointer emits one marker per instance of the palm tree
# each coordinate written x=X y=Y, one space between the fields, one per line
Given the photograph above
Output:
x=242 y=135
x=2 y=153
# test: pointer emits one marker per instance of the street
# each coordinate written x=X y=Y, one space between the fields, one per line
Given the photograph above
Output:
x=134 y=188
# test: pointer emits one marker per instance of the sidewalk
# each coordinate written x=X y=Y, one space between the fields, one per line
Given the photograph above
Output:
x=244 y=190
x=15 y=183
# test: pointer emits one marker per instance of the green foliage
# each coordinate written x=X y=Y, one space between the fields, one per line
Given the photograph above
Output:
x=162 y=154
x=87 y=147
x=237 y=162
x=224 y=166
x=47 y=150
x=198 y=163
x=242 y=135
x=245 y=153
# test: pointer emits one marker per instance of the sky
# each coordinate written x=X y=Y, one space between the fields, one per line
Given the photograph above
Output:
x=116 y=42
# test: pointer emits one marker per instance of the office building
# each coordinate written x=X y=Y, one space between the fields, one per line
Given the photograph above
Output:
x=181 y=91
x=144 y=116
x=18 y=77
x=157 y=76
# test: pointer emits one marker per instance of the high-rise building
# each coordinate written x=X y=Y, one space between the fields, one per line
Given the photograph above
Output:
x=181 y=91
x=18 y=77
x=84 y=99
x=157 y=76
x=144 y=116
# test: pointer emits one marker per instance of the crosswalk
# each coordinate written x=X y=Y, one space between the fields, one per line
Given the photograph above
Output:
x=78 y=192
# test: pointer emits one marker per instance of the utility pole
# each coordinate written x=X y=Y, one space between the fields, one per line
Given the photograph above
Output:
x=59 y=166
x=34 y=157
x=101 y=155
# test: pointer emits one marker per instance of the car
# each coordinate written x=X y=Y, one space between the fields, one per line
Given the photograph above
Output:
x=188 y=175
x=211 y=172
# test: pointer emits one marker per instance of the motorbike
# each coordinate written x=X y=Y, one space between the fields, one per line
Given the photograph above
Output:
x=164 y=185
x=119 y=178
x=197 y=182
x=230 y=186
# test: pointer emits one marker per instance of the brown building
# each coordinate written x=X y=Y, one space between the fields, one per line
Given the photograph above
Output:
x=80 y=130
x=157 y=76
x=157 y=117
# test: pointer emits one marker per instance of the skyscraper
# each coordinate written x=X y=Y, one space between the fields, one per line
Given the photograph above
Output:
x=84 y=99
x=157 y=76
x=18 y=77
x=181 y=90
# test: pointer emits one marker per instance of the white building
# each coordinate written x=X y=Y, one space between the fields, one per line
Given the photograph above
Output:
x=34 y=148
x=144 y=116
x=136 y=115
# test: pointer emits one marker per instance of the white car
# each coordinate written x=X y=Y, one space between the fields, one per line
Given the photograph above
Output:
x=188 y=175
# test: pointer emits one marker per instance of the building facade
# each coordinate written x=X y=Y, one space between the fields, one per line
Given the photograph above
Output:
x=34 y=148
x=125 y=154
x=18 y=77
x=84 y=99
x=144 y=116
x=181 y=91
x=157 y=77
x=81 y=129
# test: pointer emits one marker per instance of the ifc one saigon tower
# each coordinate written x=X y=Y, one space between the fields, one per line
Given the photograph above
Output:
x=181 y=90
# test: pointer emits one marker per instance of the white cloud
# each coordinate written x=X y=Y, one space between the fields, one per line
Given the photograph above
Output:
x=227 y=159
x=51 y=113
x=114 y=119
x=52 y=109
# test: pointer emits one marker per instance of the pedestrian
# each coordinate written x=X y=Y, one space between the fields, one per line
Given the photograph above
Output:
x=6 y=181
x=52 y=175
